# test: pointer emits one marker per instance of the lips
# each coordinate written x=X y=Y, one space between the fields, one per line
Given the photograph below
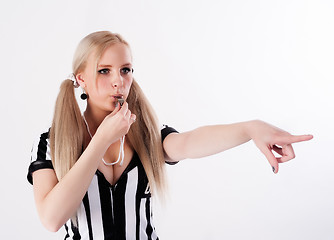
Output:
x=117 y=96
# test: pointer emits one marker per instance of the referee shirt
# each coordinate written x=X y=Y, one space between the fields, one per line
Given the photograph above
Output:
x=121 y=211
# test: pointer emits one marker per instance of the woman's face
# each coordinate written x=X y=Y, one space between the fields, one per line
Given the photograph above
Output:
x=113 y=77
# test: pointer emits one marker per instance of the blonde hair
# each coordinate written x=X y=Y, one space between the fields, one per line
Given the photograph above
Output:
x=67 y=130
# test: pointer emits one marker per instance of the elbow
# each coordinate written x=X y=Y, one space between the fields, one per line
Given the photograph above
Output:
x=52 y=224
x=51 y=217
x=52 y=228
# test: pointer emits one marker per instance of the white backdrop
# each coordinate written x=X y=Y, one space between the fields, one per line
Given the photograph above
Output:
x=199 y=63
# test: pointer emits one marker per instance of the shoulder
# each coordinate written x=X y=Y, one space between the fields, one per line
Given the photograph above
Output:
x=40 y=155
x=41 y=147
x=166 y=130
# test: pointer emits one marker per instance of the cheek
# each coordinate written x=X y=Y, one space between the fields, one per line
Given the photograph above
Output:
x=103 y=84
x=127 y=84
x=99 y=88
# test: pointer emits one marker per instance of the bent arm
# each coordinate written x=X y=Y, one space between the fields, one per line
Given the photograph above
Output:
x=57 y=201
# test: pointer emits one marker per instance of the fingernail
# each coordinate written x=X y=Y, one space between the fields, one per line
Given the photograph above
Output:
x=273 y=168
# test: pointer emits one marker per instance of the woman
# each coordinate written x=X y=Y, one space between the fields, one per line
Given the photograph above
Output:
x=94 y=172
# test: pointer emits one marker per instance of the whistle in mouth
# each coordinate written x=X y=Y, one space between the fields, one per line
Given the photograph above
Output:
x=120 y=101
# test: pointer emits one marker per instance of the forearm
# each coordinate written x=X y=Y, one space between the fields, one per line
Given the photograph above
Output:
x=208 y=140
x=59 y=204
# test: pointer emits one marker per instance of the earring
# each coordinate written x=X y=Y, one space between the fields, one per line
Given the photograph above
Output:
x=83 y=95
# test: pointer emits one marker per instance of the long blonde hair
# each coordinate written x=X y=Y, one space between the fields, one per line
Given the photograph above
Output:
x=67 y=130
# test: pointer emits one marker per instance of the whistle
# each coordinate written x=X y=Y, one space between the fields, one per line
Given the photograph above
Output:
x=120 y=101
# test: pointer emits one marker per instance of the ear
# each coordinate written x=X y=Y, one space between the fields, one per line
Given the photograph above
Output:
x=80 y=80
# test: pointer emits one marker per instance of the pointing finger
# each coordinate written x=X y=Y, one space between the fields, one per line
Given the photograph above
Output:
x=294 y=139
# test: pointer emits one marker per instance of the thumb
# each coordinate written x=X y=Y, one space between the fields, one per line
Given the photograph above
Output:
x=270 y=157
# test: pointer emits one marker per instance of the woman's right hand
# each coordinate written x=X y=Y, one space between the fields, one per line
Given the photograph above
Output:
x=53 y=203
x=116 y=124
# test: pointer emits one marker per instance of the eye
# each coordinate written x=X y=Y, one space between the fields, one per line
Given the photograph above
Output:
x=126 y=70
x=104 y=71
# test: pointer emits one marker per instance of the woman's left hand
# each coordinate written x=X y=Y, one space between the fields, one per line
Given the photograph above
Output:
x=269 y=138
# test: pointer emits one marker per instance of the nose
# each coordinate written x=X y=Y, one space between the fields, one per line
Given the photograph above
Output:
x=117 y=81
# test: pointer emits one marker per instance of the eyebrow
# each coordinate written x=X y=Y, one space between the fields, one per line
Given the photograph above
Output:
x=110 y=66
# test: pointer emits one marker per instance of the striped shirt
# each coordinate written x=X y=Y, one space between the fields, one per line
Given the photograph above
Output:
x=119 y=211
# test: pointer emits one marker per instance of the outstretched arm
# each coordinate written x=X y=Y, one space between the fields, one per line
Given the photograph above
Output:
x=209 y=140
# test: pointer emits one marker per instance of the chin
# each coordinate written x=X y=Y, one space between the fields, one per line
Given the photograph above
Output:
x=108 y=108
x=111 y=109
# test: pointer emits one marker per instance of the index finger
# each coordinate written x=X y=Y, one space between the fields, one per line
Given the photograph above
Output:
x=124 y=108
x=295 y=138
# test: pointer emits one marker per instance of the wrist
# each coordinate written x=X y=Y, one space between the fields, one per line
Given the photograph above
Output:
x=250 y=128
x=100 y=141
x=105 y=139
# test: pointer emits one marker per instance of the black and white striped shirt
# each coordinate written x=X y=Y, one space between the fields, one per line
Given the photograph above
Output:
x=120 y=211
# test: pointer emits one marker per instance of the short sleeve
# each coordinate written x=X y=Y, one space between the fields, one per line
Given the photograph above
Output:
x=40 y=155
x=165 y=131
